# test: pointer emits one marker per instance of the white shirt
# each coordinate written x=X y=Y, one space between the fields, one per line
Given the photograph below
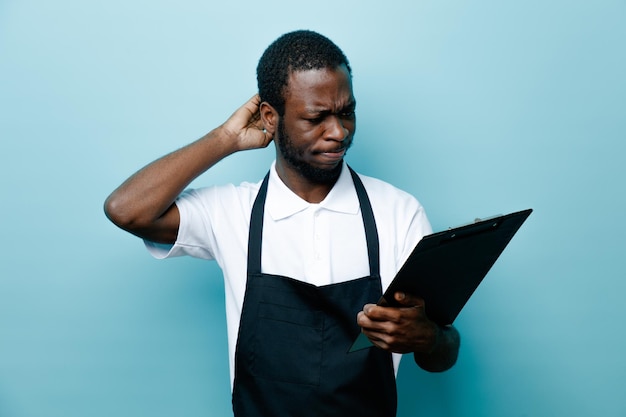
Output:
x=320 y=243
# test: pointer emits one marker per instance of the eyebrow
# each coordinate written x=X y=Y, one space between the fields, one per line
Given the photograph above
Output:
x=323 y=110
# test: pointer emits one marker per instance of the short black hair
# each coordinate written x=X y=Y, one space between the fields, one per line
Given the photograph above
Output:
x=300 y=50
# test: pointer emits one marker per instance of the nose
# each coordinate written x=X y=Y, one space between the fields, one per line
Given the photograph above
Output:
x=336 y=129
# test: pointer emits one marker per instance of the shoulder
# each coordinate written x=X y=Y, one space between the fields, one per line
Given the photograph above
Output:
x=225 y=195
x=217 y=206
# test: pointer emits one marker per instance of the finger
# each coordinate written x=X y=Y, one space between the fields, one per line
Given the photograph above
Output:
x=377 y=339
x=252 y=107
x=409 y=300
x=381 y=314
x=363 y=320
x=255 y=100
x=256 y=122
x=368 y=324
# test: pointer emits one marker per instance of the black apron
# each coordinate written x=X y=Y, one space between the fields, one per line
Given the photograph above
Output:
x=292 y=354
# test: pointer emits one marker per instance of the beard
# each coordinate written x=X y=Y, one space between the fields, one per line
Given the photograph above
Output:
x=294 y=157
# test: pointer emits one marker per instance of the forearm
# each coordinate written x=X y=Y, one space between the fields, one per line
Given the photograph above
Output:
x=444 y=353
x=148 y=194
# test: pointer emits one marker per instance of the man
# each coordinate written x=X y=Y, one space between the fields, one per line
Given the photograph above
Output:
x=304 y=253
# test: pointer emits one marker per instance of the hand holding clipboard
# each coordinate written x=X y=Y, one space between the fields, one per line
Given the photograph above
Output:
x=445 y=268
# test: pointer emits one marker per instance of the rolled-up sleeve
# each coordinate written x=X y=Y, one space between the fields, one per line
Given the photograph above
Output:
x=195 y=236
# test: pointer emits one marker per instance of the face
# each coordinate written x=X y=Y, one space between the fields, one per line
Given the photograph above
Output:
x=318 y=125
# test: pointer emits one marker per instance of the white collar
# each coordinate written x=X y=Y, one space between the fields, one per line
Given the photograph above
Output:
x=282 y=202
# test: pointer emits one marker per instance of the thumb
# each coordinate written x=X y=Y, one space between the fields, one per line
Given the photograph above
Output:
x=408 y=300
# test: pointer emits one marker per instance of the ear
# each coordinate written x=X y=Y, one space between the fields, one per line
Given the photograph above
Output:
x=269 y=116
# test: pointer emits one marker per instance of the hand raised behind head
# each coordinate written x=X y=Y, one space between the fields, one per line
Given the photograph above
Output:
x=246 y=127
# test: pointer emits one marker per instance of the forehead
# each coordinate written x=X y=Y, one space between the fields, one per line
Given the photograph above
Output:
x=323 y=89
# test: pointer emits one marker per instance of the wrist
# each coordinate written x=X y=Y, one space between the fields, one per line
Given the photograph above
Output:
x=224 y=140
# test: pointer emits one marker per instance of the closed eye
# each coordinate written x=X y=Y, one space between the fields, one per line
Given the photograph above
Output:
x=347 y=114
x=315 y=120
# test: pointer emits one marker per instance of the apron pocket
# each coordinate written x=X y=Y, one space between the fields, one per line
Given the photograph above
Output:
x=288 y=344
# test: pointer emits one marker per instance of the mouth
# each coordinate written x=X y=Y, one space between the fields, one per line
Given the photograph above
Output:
x=333 y=155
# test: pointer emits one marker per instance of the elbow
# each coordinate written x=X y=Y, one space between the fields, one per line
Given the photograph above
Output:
x=445 y=354
x=136 y=217
x=437 y=367
x=119 y=213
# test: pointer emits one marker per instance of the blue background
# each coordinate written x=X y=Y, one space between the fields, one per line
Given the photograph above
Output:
x=476 y=108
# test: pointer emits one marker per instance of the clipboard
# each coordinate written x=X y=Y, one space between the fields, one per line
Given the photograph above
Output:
x=445 y=268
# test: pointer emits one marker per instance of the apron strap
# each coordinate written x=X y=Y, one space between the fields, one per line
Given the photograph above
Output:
x=371 y=232
x=255 y=237
x=255 y=234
